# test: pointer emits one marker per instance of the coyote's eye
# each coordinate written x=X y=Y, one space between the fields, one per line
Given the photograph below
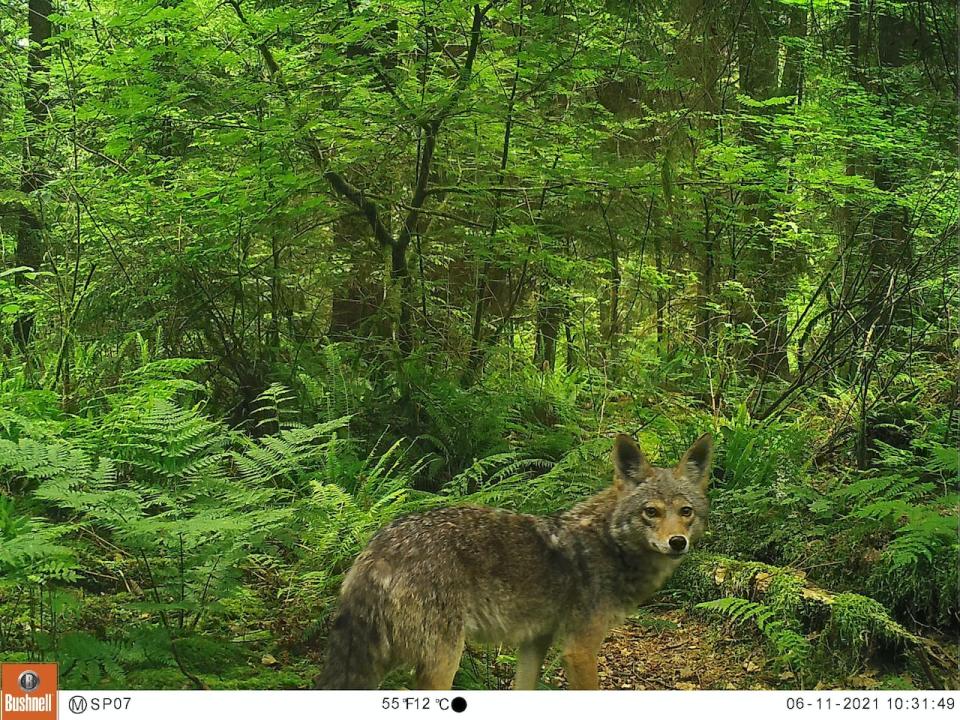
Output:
x=650 y=511
x=686 y=511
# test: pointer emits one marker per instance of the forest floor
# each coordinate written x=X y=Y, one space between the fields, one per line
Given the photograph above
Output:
x=662 y=648
x=669 y=649
x=666 y=648
x=674 y=650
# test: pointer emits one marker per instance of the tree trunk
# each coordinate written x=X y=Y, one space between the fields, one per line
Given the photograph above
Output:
x=702 y=63
x=707 y=279
x=759 y=50
x=791 y=81
x=885 y=244
x=549 y=314
x=853 y=33
x=357 y=296
x=661 y=295
x=610 y=312
x=29 y=252
x=403 y=283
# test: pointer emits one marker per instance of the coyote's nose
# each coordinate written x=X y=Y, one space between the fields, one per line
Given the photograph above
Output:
x=678 y=543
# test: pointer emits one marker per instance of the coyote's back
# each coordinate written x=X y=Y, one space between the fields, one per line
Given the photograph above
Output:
x=428 y=582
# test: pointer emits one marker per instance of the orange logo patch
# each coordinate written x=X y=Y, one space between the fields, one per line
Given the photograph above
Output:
x=28 y=691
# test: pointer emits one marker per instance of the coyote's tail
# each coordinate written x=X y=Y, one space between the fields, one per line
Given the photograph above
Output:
x=355 y=649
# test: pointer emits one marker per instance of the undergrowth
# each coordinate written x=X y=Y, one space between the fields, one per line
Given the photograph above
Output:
x=144 y=542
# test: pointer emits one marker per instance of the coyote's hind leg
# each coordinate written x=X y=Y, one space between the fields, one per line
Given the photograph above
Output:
x=437 y=671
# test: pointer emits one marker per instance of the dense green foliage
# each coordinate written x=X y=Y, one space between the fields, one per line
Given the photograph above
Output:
x=275 y=272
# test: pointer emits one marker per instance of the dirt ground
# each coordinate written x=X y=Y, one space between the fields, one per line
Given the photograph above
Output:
x=672 y=650
x=665 y=648
x=669 y=649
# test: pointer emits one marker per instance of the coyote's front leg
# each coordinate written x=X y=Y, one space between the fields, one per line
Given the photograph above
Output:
x=530 y=657
x=580 y=657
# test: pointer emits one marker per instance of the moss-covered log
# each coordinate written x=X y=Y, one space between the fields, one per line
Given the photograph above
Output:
x=852 y=624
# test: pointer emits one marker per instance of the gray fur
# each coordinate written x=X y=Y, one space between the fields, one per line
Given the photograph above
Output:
x=427 y=582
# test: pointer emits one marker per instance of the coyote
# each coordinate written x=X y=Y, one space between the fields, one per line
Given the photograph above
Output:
x=428 y=582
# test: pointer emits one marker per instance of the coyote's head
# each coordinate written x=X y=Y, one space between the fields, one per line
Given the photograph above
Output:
x=660 y=509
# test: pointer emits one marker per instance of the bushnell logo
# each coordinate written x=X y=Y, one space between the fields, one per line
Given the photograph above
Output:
x=28 y=681
x=28 y=691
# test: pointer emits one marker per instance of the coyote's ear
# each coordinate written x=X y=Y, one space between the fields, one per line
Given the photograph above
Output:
x=696 y=461
x=628 y=461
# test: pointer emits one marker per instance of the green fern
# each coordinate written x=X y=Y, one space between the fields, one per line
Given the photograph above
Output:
x=31 y=550
x=162 y=438
x=791 y=647
x=905 y=513
x=89 y=660
x=288 y=458
x=275 y=408
x=533 y=484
